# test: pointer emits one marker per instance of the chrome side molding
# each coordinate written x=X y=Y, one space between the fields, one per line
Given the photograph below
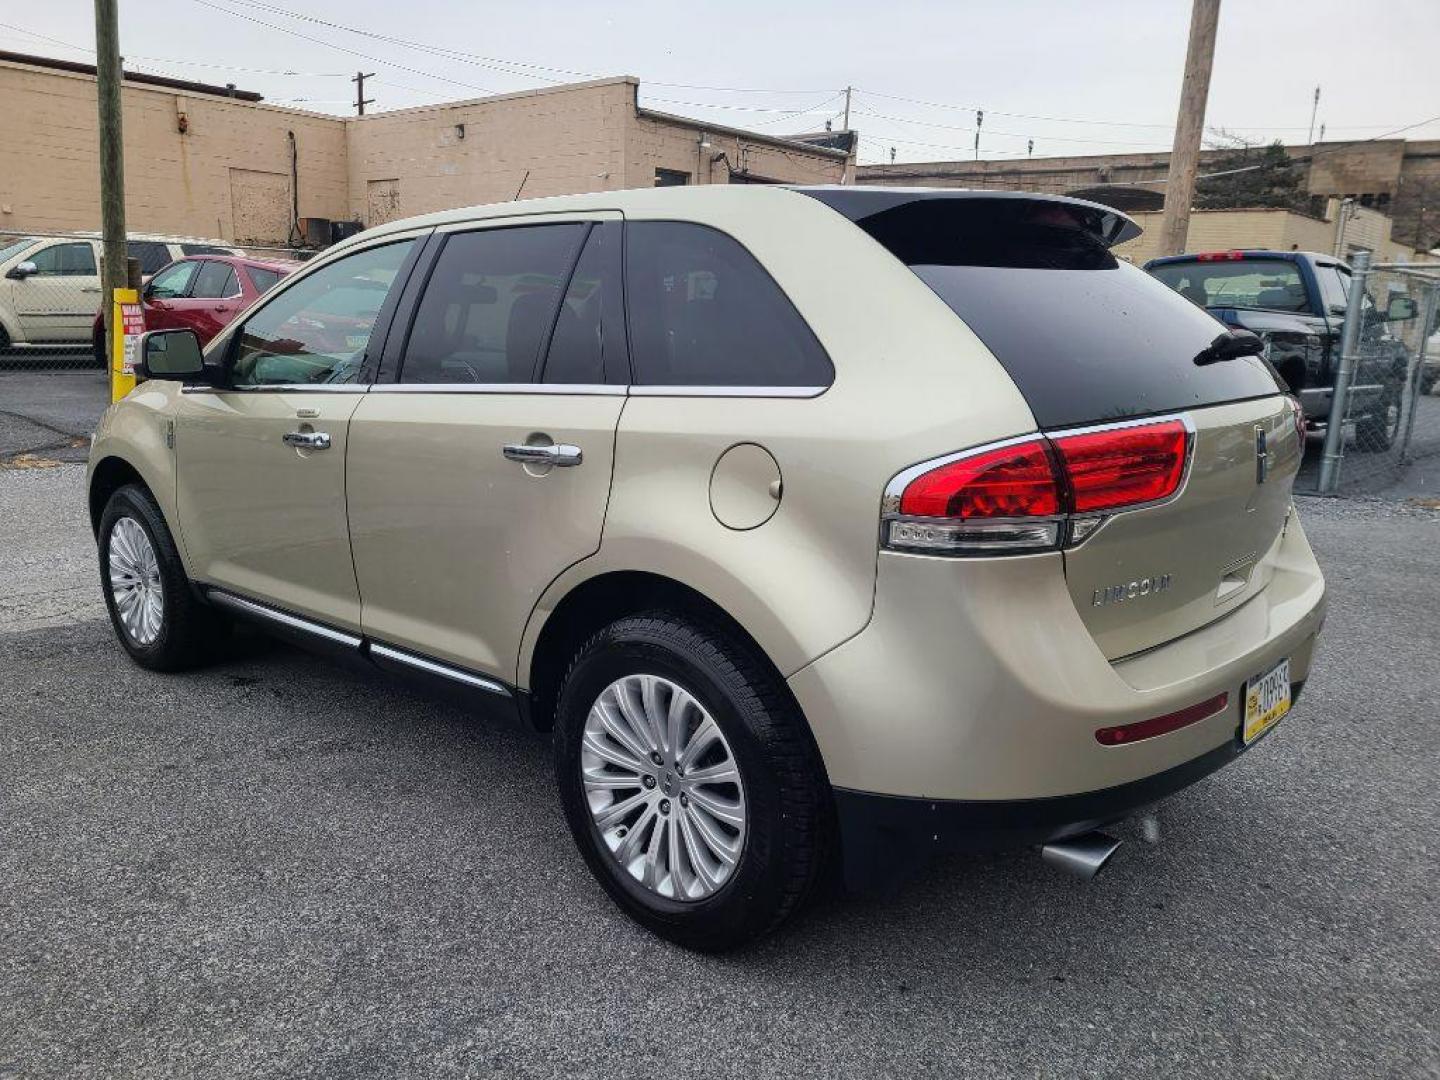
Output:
x=435 y=667
x=284 y=619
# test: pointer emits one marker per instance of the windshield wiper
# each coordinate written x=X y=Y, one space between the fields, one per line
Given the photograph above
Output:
x=1230 y=345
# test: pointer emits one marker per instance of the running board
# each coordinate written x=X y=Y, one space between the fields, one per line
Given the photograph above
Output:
x=351 y=647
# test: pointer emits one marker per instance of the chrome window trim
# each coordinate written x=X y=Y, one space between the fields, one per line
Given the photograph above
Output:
x=728 y=391
x=281 y=388
x=596 y=389
x=435 y=667
x=294 y=622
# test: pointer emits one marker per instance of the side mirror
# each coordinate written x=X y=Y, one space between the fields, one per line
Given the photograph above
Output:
x=170 y=354
x=20 y=271
x=1401 y=309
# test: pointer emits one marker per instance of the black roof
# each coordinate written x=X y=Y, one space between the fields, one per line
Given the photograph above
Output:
x=132 y=76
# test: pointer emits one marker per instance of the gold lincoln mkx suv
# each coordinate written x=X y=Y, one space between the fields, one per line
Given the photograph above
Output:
x=815 y=524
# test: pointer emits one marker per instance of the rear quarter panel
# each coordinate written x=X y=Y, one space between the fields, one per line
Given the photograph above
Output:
x=911 y=382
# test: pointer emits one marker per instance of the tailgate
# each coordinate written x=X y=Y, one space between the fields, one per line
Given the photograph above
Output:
x=1148 y=576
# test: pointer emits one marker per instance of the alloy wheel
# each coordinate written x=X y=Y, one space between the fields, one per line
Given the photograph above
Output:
x=663 y=787
x=135 y=581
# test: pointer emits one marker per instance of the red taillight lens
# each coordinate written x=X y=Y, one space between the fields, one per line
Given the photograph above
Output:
x=1009 y=482
x=1123 y=466
x=1297 y=414
x=1160 y=725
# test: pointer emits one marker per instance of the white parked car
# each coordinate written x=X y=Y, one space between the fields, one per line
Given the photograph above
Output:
x=50 y=285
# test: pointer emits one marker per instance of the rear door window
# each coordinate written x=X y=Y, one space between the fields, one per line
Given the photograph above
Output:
x=588 y=344
x=214 y=281
x=1085 y=337
x=490 y=304
x=703 y=312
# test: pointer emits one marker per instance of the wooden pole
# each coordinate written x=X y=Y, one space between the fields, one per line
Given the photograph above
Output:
x=112 y=152
x=1189 y=127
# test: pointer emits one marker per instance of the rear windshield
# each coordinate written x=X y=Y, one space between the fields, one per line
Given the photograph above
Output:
x=1084 y=336
x=1266 y=284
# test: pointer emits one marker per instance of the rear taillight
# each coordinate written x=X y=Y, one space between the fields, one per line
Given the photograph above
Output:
x=1028 y=494
x=1116 y=467
x=1297 y=416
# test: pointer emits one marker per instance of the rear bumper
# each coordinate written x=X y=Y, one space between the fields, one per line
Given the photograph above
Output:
x=976 y=679
x=883 y=835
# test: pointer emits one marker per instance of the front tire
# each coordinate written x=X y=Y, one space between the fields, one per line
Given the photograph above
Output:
x=158 y=618
x=689 y=780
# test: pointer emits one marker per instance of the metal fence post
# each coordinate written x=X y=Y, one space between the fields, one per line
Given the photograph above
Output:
x=1417 y=378
x=1349 y=350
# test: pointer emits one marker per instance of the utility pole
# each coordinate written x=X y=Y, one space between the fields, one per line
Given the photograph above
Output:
x=360 y=99
x=979 y=120
x=112 y=153
x=1189 y=127
x=1314 y=110
x=848 y=91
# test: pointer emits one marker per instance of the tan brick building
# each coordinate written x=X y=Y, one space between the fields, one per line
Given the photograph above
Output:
x=215 y=162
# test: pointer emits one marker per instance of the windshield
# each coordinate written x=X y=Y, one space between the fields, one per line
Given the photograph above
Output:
x=14 y=248
x=1266 y=284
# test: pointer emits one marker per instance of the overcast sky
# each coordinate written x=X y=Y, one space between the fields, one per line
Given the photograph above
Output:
x=1095 y=77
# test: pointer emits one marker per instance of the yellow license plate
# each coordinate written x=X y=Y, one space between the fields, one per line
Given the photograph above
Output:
x=1267 y=699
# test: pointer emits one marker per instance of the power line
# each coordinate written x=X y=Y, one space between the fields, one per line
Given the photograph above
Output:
x=1011 y=134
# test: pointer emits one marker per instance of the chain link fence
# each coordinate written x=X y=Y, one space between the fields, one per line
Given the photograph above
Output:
x=1385 y=415
x=54 y=377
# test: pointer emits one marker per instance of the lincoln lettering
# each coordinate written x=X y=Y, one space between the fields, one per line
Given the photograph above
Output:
x=1134 y=590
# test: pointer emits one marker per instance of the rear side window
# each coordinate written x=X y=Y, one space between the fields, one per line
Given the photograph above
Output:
x=490 y=304
x=214 y=281
x=703 y=312
x=1083 y=335
x=263 y=280
x=151 y=254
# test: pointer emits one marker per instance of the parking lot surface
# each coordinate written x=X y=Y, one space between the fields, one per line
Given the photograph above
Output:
x=278 y=868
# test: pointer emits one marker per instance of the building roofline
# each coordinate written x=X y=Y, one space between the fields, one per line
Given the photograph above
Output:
x=487 y=99
x=76 y=67
x=750 y=136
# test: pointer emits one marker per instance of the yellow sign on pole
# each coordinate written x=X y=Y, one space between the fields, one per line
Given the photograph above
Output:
x=127 y=323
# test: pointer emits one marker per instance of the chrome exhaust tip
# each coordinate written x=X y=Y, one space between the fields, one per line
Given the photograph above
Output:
x=1084 y=856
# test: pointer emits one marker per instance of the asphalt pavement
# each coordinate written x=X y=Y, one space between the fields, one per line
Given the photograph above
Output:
x=278 y=868
x=47 y=415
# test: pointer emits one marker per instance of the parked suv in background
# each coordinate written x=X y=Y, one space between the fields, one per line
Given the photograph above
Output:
x=1295 y=301
x=913 y=515
x=200 y=293
x=50 y=286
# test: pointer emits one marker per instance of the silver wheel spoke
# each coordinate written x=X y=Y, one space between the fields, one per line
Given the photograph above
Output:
x=687 y=822
x=134 y=572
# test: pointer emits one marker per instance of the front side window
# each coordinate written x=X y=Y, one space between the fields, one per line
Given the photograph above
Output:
x=703 y=312
x=150 y=254
x=1264 y=284
x=317 y=330
x=490 y=304
x=65 y=260
x=214 y=281
x=171 y=282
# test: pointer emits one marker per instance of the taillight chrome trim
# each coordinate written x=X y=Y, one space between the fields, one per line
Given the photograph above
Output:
x=1070 y=530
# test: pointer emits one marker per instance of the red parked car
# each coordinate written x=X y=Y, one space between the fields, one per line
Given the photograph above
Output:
x=202 y=293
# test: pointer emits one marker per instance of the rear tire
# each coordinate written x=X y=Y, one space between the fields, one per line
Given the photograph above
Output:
x=775 y=818
x=157 y=616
